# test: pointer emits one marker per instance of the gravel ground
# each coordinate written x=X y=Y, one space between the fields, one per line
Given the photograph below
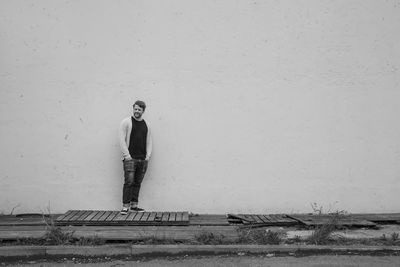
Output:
x=223 y=260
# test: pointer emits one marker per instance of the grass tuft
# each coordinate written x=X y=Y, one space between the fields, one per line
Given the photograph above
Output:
x=322 y=234
x=260 y=236
x=90 y=241
x=209 y=238
x=55 y=235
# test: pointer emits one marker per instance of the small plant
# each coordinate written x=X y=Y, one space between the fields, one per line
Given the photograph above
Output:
x=393 y=240
x=322 y=234
x=295 y=240
x=90 y=241
x=316 y=209
x=55 y=235
x=208 y=238
x=260 y=236
x=394 y=237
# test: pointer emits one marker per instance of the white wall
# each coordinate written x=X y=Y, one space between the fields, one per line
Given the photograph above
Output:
x=256 y=106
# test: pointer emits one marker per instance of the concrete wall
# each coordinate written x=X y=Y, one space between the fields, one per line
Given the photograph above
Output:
x=256 y=106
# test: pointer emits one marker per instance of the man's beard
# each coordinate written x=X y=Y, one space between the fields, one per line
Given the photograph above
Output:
x=137 y=115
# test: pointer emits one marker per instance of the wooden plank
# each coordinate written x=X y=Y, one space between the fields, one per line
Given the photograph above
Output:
x=244 y=217
x=98 y=216
x=209 y=219
x=158 y=217
x=69 y=216
x=257 y=219
x=145 y=217
x=178 y=216
x=103 y=217
x=341 y=220
x=27 y=223
x=120 y=217
x=262 y=219
x=165 y=217
x=274 y=218
x=283 y=218
x=77 y=215
x=378 y=217
x=84 y=215
x=130 y=216
x=233 y=217
x=111 y=217
x=138 y=216
x=152 y=217
x=266 y=218
x=185 y=216
x=61 y=217
x=172 y=217
x=9 y=220
x=91 y=215
x=249 y=218
x=231 y=220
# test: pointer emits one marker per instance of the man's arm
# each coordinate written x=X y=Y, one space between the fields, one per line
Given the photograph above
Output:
x=149 y=144
x=123 y=129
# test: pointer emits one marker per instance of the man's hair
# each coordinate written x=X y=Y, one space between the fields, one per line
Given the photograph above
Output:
x=140 y=104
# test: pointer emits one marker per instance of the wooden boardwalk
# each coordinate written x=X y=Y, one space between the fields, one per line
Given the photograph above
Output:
x=13 y=227
x=98 y=217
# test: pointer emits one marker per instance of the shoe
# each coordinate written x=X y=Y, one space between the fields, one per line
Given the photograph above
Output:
x=124 y=211
x=136 y=209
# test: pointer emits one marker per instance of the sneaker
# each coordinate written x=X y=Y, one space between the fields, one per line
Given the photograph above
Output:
x=136 y=209
x=124 y=211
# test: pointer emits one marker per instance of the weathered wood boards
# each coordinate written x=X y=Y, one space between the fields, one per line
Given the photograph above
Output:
x=262 y=220
x=380 y=218
x=98 y=217
x=339 y=220
x=6 y=220
x=209 y=219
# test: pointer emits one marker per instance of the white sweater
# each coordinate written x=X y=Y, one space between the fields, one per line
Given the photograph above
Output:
x=125 y=130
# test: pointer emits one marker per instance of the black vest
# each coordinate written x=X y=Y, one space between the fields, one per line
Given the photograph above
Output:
x=138 y=140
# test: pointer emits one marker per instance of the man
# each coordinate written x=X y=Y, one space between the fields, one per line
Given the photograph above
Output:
x=136 y=145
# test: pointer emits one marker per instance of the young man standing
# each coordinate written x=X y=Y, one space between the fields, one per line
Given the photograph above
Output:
x=136 y=146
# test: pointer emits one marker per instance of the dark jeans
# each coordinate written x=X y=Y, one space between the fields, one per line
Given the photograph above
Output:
x=134 y=171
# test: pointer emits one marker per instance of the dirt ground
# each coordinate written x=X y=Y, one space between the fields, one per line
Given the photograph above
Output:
x=231 y=260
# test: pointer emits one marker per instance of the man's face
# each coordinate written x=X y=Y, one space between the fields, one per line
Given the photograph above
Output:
x=137 y=111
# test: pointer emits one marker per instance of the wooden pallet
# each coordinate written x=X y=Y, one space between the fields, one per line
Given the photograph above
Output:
x=340 y=220
x=261 y=220
x=99 y=217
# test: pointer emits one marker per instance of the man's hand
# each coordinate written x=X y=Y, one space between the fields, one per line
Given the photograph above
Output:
x=128 y=158
x=145 y=165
